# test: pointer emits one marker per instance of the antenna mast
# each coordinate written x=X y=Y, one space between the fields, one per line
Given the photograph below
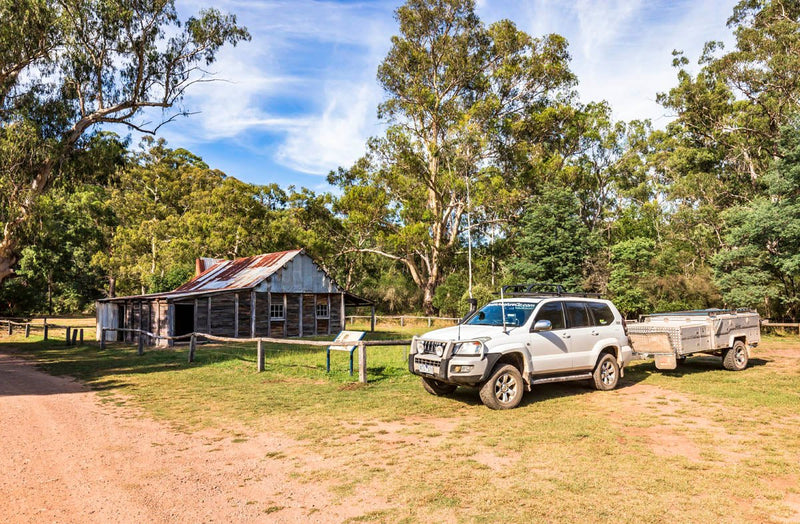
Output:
x=469 y=240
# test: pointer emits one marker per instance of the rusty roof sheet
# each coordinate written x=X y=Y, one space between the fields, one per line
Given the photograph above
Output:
x=242 y=273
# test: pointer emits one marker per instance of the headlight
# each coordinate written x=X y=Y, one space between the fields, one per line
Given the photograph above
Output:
x=468 y=348
x=439 y=350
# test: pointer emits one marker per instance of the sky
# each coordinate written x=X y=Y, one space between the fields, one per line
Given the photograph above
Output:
x=301 y=98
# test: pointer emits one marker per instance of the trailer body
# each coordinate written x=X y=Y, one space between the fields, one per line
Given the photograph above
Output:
x=671 y=337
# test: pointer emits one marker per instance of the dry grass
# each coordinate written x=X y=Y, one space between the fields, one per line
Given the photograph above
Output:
x=699 y=444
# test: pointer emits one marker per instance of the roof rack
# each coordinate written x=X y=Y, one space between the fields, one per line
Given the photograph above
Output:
x=543 y=289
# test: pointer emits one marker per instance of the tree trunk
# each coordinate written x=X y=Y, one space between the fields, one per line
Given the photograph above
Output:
x=6 y=266
x=427 y=299
x=8 y=258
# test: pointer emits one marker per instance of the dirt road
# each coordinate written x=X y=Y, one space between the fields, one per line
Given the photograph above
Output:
x=65 y=456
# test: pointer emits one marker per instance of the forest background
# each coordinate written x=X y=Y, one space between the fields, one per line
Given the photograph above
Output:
x=486 y=148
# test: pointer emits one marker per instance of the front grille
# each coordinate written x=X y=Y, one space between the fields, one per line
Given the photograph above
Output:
x=429 y=346
x=430 y=362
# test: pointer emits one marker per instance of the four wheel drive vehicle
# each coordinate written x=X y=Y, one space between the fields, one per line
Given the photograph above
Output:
x=671 y=337
x=528 y=337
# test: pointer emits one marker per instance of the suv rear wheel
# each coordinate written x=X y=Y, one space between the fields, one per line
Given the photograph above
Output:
x=606 y=373
x=504 y=388
x=434 y=387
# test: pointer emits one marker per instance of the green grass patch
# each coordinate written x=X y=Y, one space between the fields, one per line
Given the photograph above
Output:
x=567 y=454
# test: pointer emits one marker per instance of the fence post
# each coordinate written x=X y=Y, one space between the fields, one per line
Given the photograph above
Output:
x=80 y=339
x=402 y=320
x=429 y=321
x=10 y=328
x=27 y=330
x=260 y=355
x=140 y=347
x=362 y=362
x=74 y=336
x=192 y=347
x=69 y=335
x=102 y=337
x=45 y=330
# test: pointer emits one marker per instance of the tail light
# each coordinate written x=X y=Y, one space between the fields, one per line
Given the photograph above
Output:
x=625 y=326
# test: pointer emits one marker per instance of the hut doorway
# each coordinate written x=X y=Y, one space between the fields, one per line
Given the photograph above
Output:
x=121 y=322
x=184 y=319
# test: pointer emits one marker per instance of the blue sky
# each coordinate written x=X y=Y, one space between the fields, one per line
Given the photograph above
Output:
x=300 y=99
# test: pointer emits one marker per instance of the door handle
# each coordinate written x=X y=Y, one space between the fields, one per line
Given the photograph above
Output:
x=595 y=333
x=565 y=336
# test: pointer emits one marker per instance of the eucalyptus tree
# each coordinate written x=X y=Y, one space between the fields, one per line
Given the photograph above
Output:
x=69 y=66
x=456 y=89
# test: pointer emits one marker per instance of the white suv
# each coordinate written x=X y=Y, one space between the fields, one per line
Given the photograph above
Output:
x=525 y=339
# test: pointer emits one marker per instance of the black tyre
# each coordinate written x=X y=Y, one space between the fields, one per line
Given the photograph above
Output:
x=504 y=388
x=606 y=373
x=435 y=387
x=735 y=358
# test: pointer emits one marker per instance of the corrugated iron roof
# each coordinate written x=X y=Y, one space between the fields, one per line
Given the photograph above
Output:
x=242 y=273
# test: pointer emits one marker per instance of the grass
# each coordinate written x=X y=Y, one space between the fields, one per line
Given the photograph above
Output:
x=707 y=445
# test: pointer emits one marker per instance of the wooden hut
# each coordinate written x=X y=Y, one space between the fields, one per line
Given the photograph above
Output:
x=283 y=294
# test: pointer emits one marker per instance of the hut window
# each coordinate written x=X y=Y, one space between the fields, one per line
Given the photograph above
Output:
x=322 y=311
x=276 y=312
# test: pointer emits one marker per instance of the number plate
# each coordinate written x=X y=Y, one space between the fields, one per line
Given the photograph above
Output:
x=425 y=368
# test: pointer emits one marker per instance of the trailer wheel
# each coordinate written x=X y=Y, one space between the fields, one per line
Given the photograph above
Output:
x=735 y=358
x=434 y=387
x=606 y=373
x=504 y=388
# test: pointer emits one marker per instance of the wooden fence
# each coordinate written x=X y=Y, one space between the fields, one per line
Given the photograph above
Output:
x=72 y=334
x=192 y=337
x=782 y=325
x=402 y=319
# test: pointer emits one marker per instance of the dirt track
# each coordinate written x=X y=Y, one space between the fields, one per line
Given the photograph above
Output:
x=67 y=457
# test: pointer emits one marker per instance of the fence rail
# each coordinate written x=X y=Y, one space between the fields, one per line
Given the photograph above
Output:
x=402 y=318
x=192 y=337
x=72 y=334
x=783 y=325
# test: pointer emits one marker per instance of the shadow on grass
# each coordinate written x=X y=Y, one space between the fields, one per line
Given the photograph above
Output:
x=691 y=366
x=90 y=364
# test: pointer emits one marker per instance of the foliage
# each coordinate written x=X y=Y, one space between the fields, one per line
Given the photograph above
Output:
x=761 y=268
x=68 y=66
x=552 y=242
x=454 y=86
x=172 y=208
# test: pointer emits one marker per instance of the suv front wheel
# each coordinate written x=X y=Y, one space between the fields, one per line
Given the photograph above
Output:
x=606 y=373
x=434 y=387
x=504 y=388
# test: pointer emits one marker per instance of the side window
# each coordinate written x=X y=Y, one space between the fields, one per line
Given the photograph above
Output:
x=577 y=314
x=553 y=312
x=603 y=316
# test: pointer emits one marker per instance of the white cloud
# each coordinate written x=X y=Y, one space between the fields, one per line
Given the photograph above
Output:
x=316 y=114
x=621 y=49
x=335 y=138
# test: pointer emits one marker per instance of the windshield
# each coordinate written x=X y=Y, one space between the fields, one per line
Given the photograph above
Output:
x=517 y=313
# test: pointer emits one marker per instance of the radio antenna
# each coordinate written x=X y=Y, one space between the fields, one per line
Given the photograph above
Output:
x=503 y=308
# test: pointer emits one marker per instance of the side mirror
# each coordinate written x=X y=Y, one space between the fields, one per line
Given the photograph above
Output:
x=542 y=325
